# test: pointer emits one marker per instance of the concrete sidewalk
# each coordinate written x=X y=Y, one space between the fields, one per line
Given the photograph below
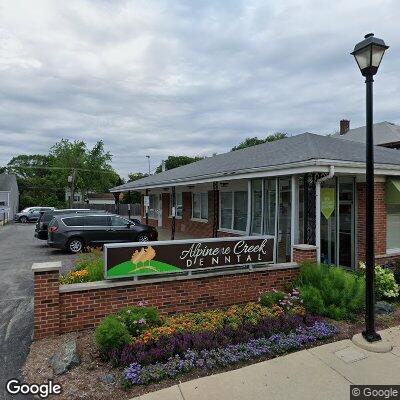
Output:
x=321 y=372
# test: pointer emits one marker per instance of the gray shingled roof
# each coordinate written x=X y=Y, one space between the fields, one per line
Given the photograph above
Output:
x=293 y=150
x=384 y=133
x=7 y=181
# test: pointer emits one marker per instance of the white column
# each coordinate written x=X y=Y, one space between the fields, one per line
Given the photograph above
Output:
x=318 y=219
x=293 y=219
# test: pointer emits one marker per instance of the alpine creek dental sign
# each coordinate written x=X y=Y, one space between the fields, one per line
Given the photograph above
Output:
x=133 y=259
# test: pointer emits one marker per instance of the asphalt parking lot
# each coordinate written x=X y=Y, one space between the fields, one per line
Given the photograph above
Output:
x=19 y=249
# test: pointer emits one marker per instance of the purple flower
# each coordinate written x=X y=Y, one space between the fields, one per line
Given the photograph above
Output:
x=231 y=354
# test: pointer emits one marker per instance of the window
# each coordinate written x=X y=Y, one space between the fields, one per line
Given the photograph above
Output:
x=234 y=210
x=200 y=205
x=153 y=208
x=96 y=221
x=118 y=221
x=178 y=206
x=73 y=221
x=393 y=226
x=226 y=210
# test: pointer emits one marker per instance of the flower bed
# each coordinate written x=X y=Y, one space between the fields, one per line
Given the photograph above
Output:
x=137 y=374
x=152 y=348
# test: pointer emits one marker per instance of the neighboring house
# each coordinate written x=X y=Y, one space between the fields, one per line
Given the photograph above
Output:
x=78 y=197
x=100 y=198
x=9 y=195
x=91 y=197
x=386 y=134
x=306 y=189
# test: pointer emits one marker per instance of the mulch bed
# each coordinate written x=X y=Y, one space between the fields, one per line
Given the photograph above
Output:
x=83 y=381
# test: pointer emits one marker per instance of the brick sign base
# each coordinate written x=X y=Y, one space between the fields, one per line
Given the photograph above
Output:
x=66 y=308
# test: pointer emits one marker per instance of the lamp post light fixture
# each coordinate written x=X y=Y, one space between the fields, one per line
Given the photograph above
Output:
x=148 y=158
x=368 y=54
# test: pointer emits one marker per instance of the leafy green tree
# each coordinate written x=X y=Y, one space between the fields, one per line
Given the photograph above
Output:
x=90 y=167
x=253 y=141
x=177 y=161
x=36 y=180
x=43 y=179
x=133 y=197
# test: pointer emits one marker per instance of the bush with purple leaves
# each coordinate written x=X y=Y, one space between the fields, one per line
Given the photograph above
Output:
x=209 y=358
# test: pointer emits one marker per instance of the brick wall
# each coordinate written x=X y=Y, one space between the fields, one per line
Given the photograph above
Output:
x=201 y=229
x=379 y=219
x=304 y=253
x=46 y=299
x=58 y=311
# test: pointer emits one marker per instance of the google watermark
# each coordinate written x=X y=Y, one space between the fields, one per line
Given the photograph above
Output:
x=375 y=392
x=43 y=390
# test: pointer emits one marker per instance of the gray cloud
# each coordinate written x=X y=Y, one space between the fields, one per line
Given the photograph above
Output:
x=179 y=77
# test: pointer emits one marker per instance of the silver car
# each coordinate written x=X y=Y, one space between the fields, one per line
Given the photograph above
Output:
x=30 y=214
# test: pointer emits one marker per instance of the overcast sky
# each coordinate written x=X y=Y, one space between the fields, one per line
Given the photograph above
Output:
x=185 y=77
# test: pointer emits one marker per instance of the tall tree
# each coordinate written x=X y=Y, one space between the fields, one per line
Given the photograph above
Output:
x=177 y=161
x=253 y=141
x=90 y=167
x=36 y=180
x=133 y=196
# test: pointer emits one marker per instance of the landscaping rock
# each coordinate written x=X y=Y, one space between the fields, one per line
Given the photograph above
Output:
x=383 y=308
x=109 y=379
x=65 y=358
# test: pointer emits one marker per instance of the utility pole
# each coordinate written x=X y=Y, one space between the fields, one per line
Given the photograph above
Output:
x=148 y=158
x=71 y=180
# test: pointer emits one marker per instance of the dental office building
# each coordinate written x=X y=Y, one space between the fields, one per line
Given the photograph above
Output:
x=308 y=191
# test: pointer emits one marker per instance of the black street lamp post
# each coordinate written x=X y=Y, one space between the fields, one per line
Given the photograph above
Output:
x=368 y=54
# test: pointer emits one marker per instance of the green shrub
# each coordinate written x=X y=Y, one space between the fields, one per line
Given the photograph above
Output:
x=385 y=283
x=331 y=291
x=88 y=267
x=268 y=299
x=111 y=334
x=138 y=319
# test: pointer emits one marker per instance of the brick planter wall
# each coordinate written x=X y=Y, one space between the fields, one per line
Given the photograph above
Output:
x=68 y=308
x=304 y=253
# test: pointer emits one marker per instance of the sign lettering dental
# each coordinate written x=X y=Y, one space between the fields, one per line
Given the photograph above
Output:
x=133 y=259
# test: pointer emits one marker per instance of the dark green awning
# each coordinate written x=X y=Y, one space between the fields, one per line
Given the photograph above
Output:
x=393 y=191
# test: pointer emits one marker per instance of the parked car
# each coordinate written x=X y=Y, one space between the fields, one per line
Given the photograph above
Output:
x=46 y=216
x=74 y=232
x=30 y=214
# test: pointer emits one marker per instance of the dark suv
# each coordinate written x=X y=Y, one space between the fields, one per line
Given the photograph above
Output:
x=74 y=232
x=45 y=217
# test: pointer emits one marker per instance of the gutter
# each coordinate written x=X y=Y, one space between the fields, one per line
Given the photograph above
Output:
x=330 y=175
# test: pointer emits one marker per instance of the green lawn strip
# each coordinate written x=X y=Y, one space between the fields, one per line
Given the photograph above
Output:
x=127 y=268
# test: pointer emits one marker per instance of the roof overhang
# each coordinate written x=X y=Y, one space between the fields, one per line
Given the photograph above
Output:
x=309 y=166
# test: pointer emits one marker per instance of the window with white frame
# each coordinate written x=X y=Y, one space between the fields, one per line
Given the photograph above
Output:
x=200 y=205
x=393 y=226
x=153 y=207
x=178 y=205
x=233 y=210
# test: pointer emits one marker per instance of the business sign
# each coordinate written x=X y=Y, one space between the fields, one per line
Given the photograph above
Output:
x=133 y=259
x=327 y=202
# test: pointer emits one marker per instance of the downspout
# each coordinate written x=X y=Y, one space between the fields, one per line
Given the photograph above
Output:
x=318 y=209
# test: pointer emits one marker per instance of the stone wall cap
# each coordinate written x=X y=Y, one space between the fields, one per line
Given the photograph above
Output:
x=304 y=247
x=46 y=266
x=106 y=284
